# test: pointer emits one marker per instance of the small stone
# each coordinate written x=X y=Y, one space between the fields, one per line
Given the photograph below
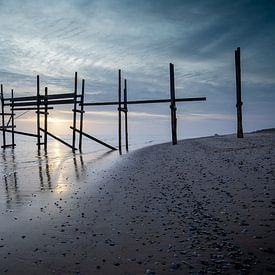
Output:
x=149 y=272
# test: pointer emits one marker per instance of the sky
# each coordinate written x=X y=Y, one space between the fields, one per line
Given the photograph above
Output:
x=97 y=37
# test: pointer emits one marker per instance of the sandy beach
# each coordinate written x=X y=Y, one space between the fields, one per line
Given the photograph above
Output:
x=206 y=205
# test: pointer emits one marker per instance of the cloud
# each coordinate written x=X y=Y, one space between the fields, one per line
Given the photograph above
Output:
x=97 y=37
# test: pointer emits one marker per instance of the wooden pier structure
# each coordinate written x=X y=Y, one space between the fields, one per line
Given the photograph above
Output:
x=42 y=103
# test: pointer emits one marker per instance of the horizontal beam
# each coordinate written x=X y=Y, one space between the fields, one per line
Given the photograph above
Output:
x=31 y=108
x=6 y=114
x=50 y=102
x=8 y=145
x=29 y=98
x=94 y=139
x=144 y=101
x=58 y=139
x=21 y=133
x=7 y=127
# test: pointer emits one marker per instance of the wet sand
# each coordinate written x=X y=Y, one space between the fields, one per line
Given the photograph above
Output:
x=206 y=205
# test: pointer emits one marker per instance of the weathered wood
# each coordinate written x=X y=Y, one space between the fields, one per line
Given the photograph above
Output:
x=34 y=98
x=46 y=119
x=81 y=114
x=119 y=112
x=74 y=112
x=59 y=139
x=8 y=145
x=238 y=93
x=145 y=101
x=79 y=111
x=50 y=102
x=95 y=139
x=21 y=133
x=3 y=116
x=173 y=105
x=6 y=127
x=38 y=109
x=31 y=108
x=12 y=120
x=125 y=110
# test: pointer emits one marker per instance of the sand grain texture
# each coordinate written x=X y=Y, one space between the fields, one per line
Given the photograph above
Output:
x=204 y=206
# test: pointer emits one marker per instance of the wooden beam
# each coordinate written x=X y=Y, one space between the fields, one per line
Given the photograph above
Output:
x=12 y=120
x=173 y=105
x=37 y=107
x=3 y=116
x=21 y=133
x=34 y=98
x=238 y=93
x=145 y=101
x=46 y=119
x=50 y=102
x=119 y=112
x=59 y=139
x=81 y=114
x=125 y=107
x=96 y=140
x=74 y=112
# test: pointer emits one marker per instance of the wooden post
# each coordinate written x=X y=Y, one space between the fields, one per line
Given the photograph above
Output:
x=74 y=110
x=3 y=117
x=46 y=119
x=238 y=93
x=119 y=111
x=173 y=105
x=12 y=120
x=126 y=114
x=38 y=110
x=81 y=114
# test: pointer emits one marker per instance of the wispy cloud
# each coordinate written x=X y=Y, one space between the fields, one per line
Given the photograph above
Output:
x=96 y=37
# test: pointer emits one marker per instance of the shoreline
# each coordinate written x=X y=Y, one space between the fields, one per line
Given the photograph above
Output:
x=205 y=205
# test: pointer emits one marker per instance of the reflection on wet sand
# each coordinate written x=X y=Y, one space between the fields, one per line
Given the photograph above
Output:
x=50 y=172
x=10 y=178
x=44 y=186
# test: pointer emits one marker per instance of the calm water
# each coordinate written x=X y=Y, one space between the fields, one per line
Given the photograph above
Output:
x=26 y=173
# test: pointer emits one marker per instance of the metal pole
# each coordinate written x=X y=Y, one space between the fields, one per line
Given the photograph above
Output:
x=38 y=111
x=126 y=114
x=74 y=110
x=173 y=105
x=81 y=114
x=238 y=93
x=3 y=116
x=119 y=111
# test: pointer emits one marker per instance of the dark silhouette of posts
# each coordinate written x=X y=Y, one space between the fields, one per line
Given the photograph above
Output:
x=238 y=93
x=173 y=105
x=119 y=111
x=12 y=120
x=38 y=111
x=81 y=114
x=46 y=119
x=125 y=110
x=74 y=110
x=3 y=117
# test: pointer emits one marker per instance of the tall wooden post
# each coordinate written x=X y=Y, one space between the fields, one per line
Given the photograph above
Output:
x=126 y=114
x=12 y=120
x=238 y=93
x=46 y=119
x=38 y=111
x=3 y=117
x=74 y=110
x=173 y=105
x=81 y=114
x=119 y=111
